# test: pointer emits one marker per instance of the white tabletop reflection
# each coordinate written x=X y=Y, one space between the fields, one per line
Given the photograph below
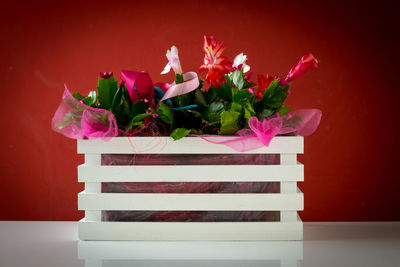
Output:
x=325 y=244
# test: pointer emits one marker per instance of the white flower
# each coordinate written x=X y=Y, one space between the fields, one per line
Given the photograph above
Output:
x=241 y=60
x=174 y=62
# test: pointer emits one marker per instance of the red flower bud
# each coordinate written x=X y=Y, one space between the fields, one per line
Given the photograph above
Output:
x=306 y=62
x=106 y=75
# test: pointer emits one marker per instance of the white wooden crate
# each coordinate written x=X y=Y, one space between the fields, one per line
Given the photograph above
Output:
x=92 y=201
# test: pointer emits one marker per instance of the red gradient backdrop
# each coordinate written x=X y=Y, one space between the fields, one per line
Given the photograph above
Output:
x=351 y=161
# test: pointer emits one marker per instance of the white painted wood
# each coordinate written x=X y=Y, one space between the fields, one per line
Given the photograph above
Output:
x=288 y=187
x=186 y=145
x=288 y=216
x=93 y=160
x=289 y=263
x=177 y=250
x=189 y=173
x=94 y=263
x=190 y=230
x=189 y=201
x=91 y=187
x=288 y=159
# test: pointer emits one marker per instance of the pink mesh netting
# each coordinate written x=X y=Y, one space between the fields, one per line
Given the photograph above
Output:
x=76 y=120
x=301 y=122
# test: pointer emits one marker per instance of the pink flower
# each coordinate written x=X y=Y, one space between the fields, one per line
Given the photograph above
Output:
x=306 y=62
x=174 y=62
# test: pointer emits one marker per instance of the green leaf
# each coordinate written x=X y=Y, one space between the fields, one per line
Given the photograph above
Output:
x=178 y=133
x=248 y=111
x=117 y=99
x=216 y=107
x=106 y=89
x=229 y=122
x=210 y=95
x=237 y=78
x=236 y=107
x=126 y=102
x=242 y=94
x=195 y=113
x=91 y=99
x=140 y=117
x=138 y=108
x=194 y=131
x=277 y=99
x=137 y=119
x=78 y=96
x=265 y=113
x=179 y=78
x=165 y=114
x=213 y=117
x=212 y=113
x=271 y=88
x=224 y=92
x=199 y=99
x=283 y=110
x=184 y=100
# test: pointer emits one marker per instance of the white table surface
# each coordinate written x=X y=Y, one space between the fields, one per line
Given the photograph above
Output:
x=325 y=244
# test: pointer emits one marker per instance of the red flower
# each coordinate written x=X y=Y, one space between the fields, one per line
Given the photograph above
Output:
x=262 y=84
x=306 y=62
x=214 y=63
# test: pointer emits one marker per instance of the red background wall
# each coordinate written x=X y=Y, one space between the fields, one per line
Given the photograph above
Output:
x=350 y=161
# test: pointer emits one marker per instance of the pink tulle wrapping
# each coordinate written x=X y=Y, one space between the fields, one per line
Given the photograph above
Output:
x=301 y=122
x=76 y=120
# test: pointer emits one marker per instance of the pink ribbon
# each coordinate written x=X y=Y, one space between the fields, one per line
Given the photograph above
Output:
x=191 y=83
x=139 y=85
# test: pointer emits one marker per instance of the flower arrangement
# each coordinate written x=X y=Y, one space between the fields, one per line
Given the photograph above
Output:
x=226 y=102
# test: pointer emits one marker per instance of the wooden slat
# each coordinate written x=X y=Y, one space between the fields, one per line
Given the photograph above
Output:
x=186 y=145
x=190 y=201
x=288 y=187
x=205 y=250
x=190 y=173
x=93 y=160
x=190 y=230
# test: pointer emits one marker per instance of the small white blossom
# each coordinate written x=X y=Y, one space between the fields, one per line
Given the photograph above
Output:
x=241 y=60
x=173 y=61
